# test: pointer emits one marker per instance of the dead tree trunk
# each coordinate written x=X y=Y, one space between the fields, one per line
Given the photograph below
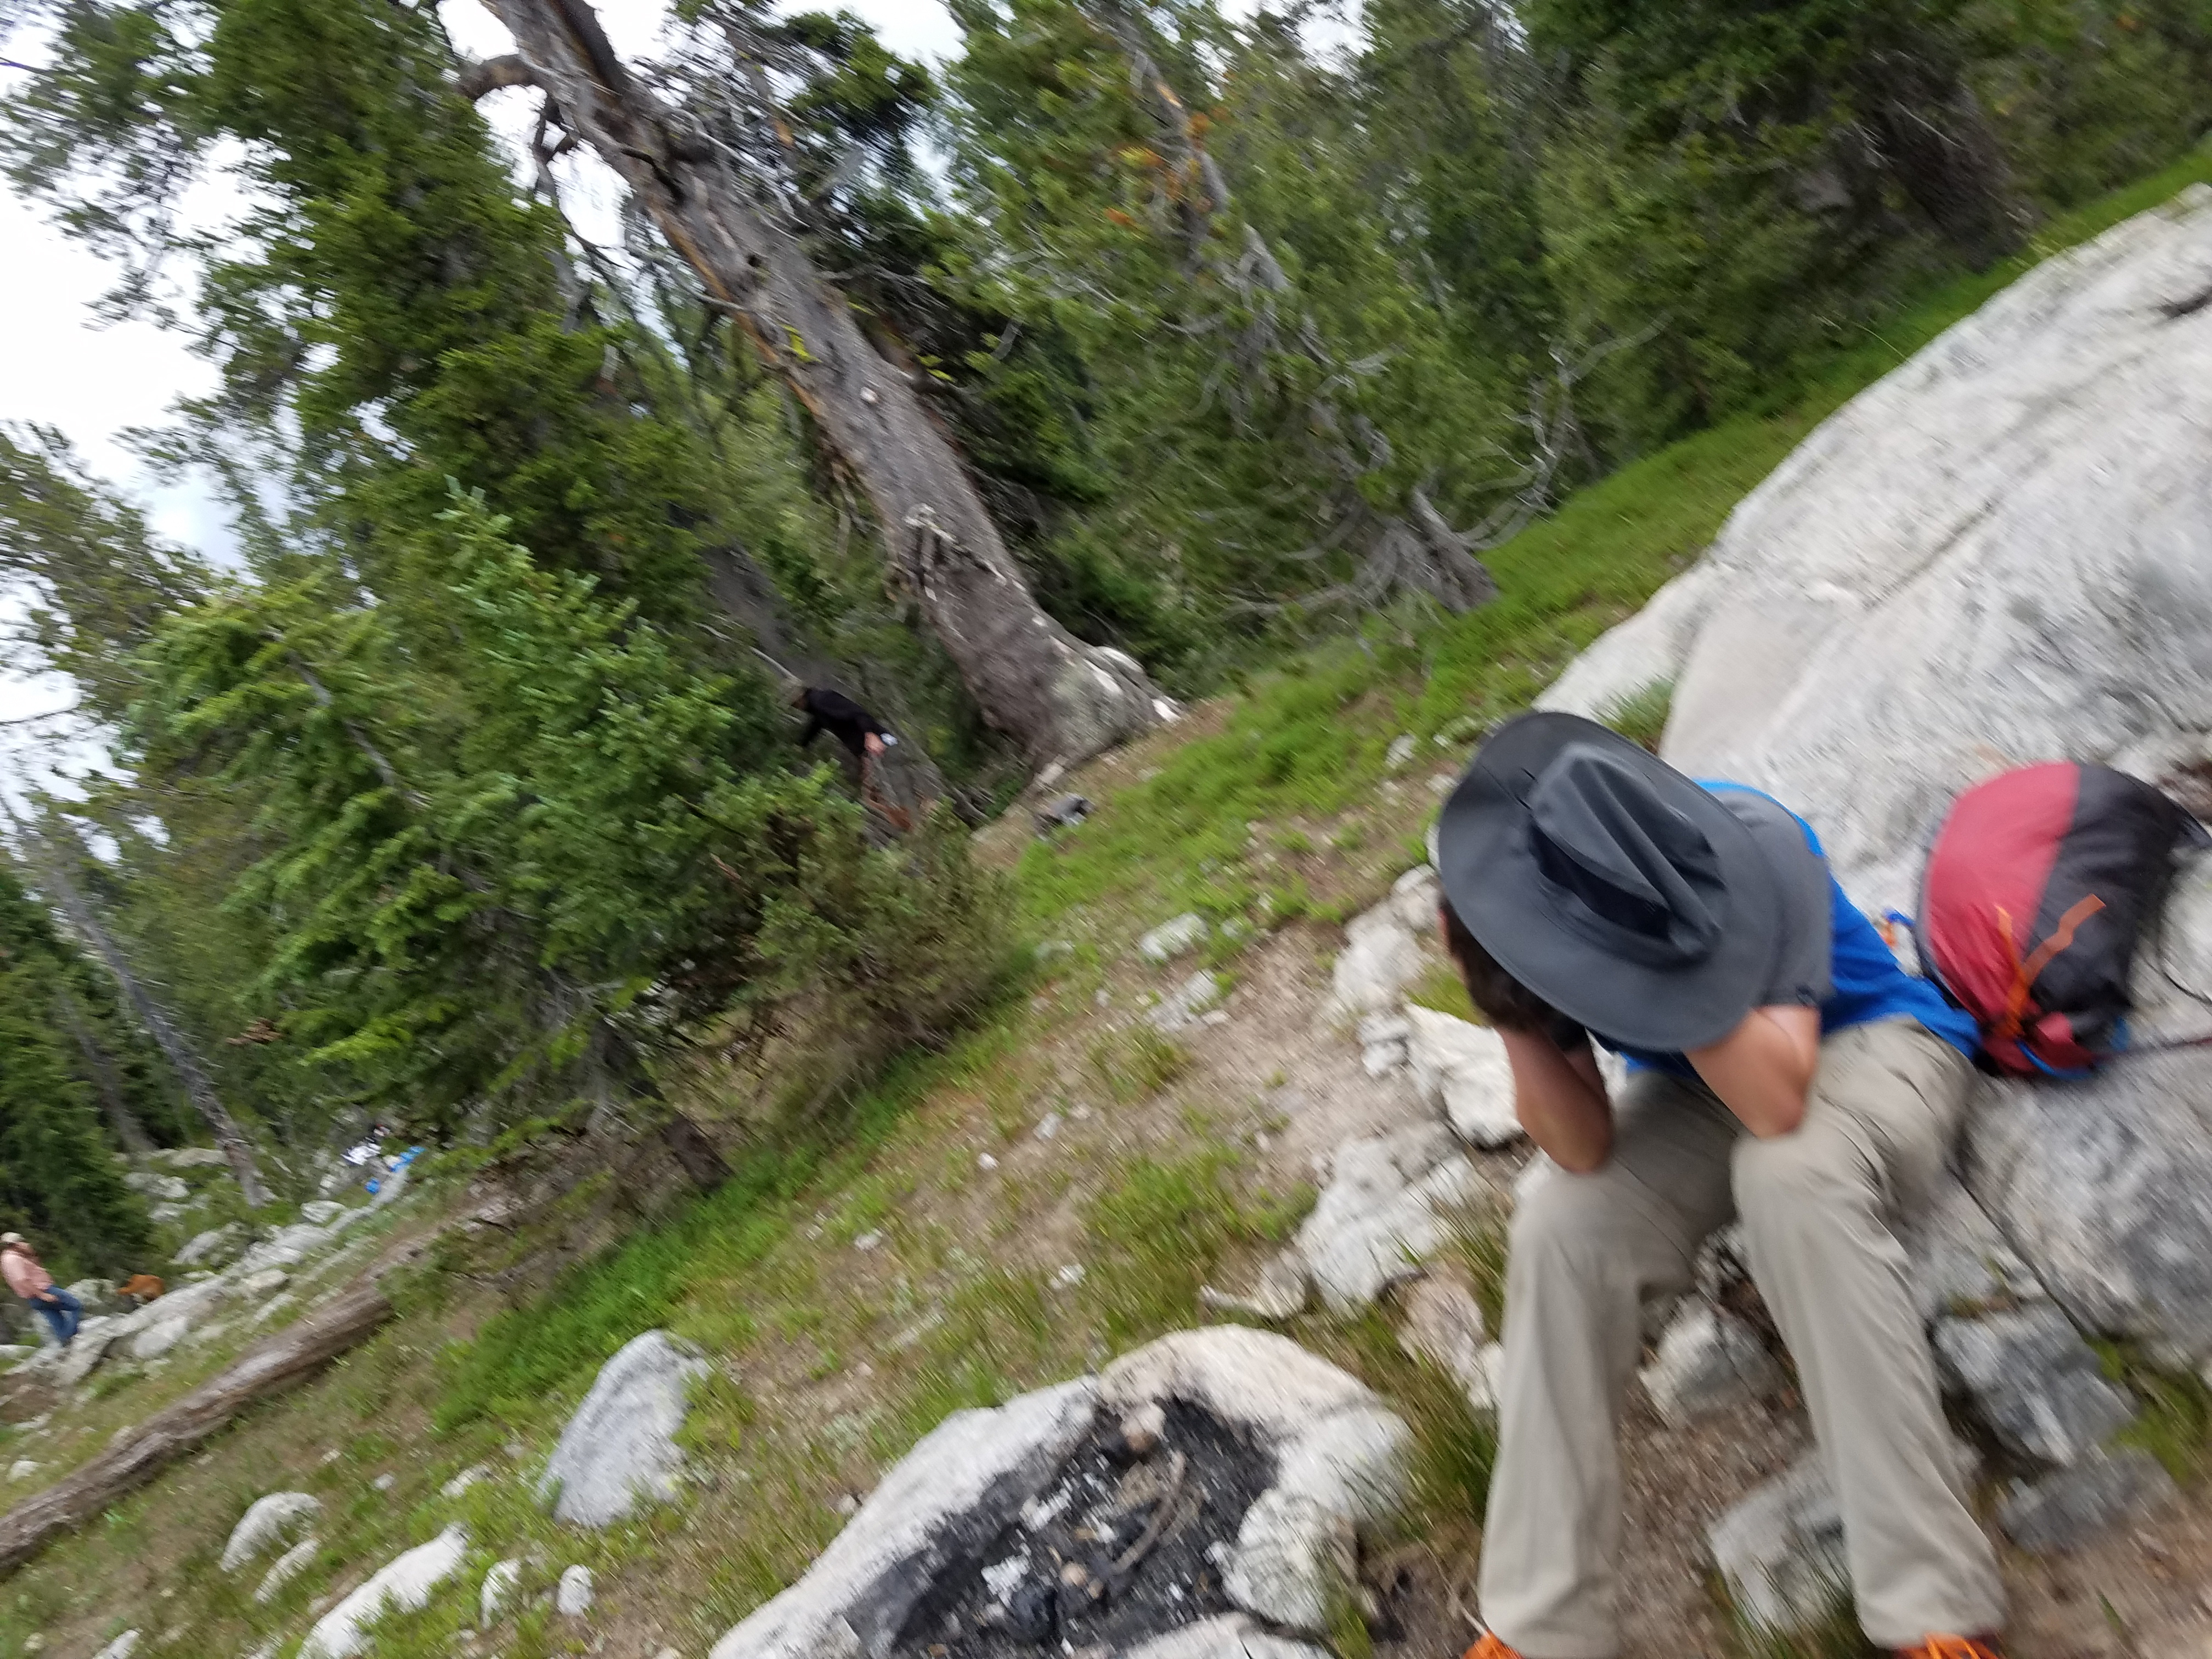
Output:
x=129 y=1132
x=62 y=890
x=288 y=1358
x=1060 y=699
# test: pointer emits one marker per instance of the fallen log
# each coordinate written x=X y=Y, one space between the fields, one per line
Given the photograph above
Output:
x=289 y=1356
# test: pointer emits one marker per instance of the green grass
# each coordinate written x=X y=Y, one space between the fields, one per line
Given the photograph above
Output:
x=1441 y=988
x=2174 y=1424
x=1641 y=717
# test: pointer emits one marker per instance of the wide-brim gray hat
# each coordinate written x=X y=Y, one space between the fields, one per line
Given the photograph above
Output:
x=1609 y=883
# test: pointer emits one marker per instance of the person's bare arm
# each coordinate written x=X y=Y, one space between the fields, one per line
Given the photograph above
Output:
x=1560 y=1100
x=1762 y=1069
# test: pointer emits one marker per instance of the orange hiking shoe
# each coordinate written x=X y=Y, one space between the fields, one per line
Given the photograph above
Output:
x=1955 y=1647
x=1491 y=1648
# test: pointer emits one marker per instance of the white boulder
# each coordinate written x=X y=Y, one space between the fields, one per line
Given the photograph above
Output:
x=405 y=1585
x=211 y=1246
x=1173 y=939
x=1708 y=1361
x=620 y=1447
x=266 y=1522
x=499 y=1586
x=572 y=1597
x=1462 y=1067
x=287 y=1567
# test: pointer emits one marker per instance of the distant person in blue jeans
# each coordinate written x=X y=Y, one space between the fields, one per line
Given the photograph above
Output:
x=28 y=1277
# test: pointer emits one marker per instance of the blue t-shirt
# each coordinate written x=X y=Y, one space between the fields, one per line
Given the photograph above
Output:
x=1865 y=985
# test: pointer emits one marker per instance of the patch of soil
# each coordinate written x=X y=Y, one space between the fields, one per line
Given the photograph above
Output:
x=1123 y=1550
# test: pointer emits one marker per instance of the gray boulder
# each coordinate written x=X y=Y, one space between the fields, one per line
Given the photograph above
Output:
x=1443 y=1325
x=2034 y=1382
x=1708 y=1361
x=1780 y=1550
x=190 y=1157
x=620 y=1447
x=2066 y=1508
x=211 y=1248
x=166 y=1188
x=2105 y=1188
x=572 y=1597
x=321 y=1212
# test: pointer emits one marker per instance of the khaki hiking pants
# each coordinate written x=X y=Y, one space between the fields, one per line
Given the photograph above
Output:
x=1588 y=1249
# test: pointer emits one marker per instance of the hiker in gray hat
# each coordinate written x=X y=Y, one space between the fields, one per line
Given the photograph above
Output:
x=1783 y=1069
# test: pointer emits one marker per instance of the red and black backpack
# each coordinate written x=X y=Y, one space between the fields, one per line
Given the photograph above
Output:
x=2040 y=883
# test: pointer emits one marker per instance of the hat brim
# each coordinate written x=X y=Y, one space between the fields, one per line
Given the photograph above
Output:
x=1488 y=868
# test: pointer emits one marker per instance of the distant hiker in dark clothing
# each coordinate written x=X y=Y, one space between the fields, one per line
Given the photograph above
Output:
x=863 y=735
x=866 y=738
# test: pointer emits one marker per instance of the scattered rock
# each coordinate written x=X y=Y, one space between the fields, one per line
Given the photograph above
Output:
x=22 y=1469
x=1780 y=1550
x=475 y=1474
x=1068 y=1277
x=1462 y=1067
x=1708 y=1361
x=1279 y=1292
x=1382 y=1042
x=121 y=1647
x=1064 y=813
x=1173 y=939
x=384 y=1482
x=404 y=1585
x=166 y=1188
x=321 y=1212
x=966 y=1480
x=276 y=1305
x=212 y=1247
x=1047 y=1125
x=1444 y=1326
x=2035 y=1383
x=1379 y=960
x=620 y=1447
x=870 y=1240
x=498 y=1589
x=260 y=1284
x=1181 y=1006
x=1399 y=755
x=157 y=1340
x=287 y=1567
x=1383 y=1212
x=573 y=1598
x=266 y=1522
x=2068 y=1507
x=1415 y=896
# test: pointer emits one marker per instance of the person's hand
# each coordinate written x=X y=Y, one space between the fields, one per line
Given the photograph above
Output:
x=873 y=743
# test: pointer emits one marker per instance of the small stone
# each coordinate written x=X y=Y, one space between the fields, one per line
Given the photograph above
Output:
x=869 y=1240
x=1708 y=1361
x=1142 y=1428
x=1064 y=813
x=498 y=1588
x=121 y=1647
x=266 y=1520
x=573 y=1599
x=384 y=1482
x=1068 y=1277
x=287 y=1567
x=472 y=1475
x=1182 y=1006
x=846 y=1505
x=1399 y=755
x=1048 y=1126
x=986 y=1163
x=1279 y=1292
x=22 y=1469
x=1173 y=939
x=1415 y=896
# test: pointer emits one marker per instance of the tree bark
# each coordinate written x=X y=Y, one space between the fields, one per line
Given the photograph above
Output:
x=288 y=1358
x=236 y=1149
x=1061 y=700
